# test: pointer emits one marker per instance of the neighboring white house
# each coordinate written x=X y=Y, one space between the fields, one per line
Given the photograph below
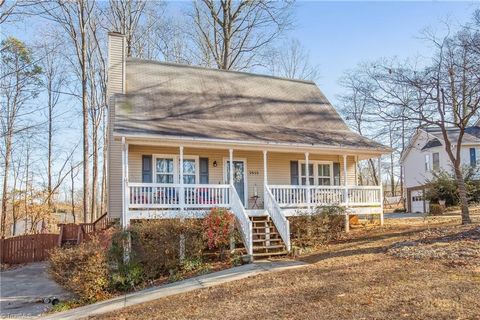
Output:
x=426 y=153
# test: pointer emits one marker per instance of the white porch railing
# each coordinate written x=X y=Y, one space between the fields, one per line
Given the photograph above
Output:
x=288 y=196
x=168 y=196
x=243 y=220
x=278 y=218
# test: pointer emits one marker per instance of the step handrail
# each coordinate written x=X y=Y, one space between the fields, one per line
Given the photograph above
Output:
x=236 y=206
x=281 y=222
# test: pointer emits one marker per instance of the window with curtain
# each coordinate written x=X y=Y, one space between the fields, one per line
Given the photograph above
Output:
x=189 y=171
x=164 y=170
x=427 y=162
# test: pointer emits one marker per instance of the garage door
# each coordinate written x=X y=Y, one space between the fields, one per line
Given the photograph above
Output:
x=417 y=202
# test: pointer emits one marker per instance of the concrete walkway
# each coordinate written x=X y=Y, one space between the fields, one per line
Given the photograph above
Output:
x=23 y=289
x=205 y=281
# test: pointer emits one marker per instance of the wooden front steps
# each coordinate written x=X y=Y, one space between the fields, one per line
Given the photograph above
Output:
x=266 y=240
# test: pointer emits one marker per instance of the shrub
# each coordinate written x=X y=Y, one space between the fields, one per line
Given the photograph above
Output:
x=218 y=228
x=155 y=249
x=443 y=186
x=123 y=275
x=399 y=210
x=320 y=227
x=436 y=209
x=82 y=269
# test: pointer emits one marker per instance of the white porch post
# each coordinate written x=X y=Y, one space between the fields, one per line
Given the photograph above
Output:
x=124 y=187
x=265 y=176
x=230 y=165
x=381 y=188
x=182 y=189
x=307 y=179
x=347 y=218
x=182 y=205
x=265 y=180
x=126 y=200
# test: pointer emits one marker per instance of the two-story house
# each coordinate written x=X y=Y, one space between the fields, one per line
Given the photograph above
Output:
x=426 y=153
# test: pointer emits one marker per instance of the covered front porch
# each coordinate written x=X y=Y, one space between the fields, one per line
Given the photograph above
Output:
x=250 y=180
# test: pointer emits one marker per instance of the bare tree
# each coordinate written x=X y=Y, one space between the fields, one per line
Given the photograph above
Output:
x=124 y=16
x=445 y=95
x=13 y=10
x=54 y=80
x=98 y=101
x=74 y=19
x=231 y=35
x=357 y=108
x=292 y=60
x=19 y=84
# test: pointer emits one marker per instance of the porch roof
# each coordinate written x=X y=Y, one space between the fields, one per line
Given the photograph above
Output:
x=178 y=101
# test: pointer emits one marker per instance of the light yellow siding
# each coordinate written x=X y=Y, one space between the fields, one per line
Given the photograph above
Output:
x=278 y=165
x=116 y=65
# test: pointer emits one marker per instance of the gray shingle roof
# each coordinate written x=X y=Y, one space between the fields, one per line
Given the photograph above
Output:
x=184 y=101
x=472 y=134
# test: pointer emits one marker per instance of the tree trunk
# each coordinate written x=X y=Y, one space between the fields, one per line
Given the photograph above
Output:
x=86 y=156
x=94 y=174
x=50 y=134
x=8 y=151
x=462 y=192
x=374 y=172
x=73 y=194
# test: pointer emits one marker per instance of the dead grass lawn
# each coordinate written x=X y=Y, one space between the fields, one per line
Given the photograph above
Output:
x=353 y=279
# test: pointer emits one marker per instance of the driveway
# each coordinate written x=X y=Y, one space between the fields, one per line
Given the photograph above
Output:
x=22 y=290
x=405 y=215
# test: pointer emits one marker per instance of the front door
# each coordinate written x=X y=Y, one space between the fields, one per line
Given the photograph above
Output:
x=238 y=177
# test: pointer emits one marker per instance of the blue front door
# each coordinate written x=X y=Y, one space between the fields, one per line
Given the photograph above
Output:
x=238 y=177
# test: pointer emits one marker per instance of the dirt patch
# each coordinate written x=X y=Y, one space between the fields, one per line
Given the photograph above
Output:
x=352 y=279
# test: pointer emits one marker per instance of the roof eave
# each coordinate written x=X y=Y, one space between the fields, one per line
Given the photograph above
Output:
x=265 y=144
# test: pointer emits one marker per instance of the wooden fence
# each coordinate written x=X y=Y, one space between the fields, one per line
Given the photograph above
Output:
x=27 y=248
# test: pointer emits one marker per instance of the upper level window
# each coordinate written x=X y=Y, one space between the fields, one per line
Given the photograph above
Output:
x=436 y=161
x=427 y=162
x=474 y=160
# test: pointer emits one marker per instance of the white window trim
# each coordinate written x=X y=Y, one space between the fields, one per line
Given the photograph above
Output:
x=314 y=174
x=433 y=162
x=176 y=166
x=427 y=164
